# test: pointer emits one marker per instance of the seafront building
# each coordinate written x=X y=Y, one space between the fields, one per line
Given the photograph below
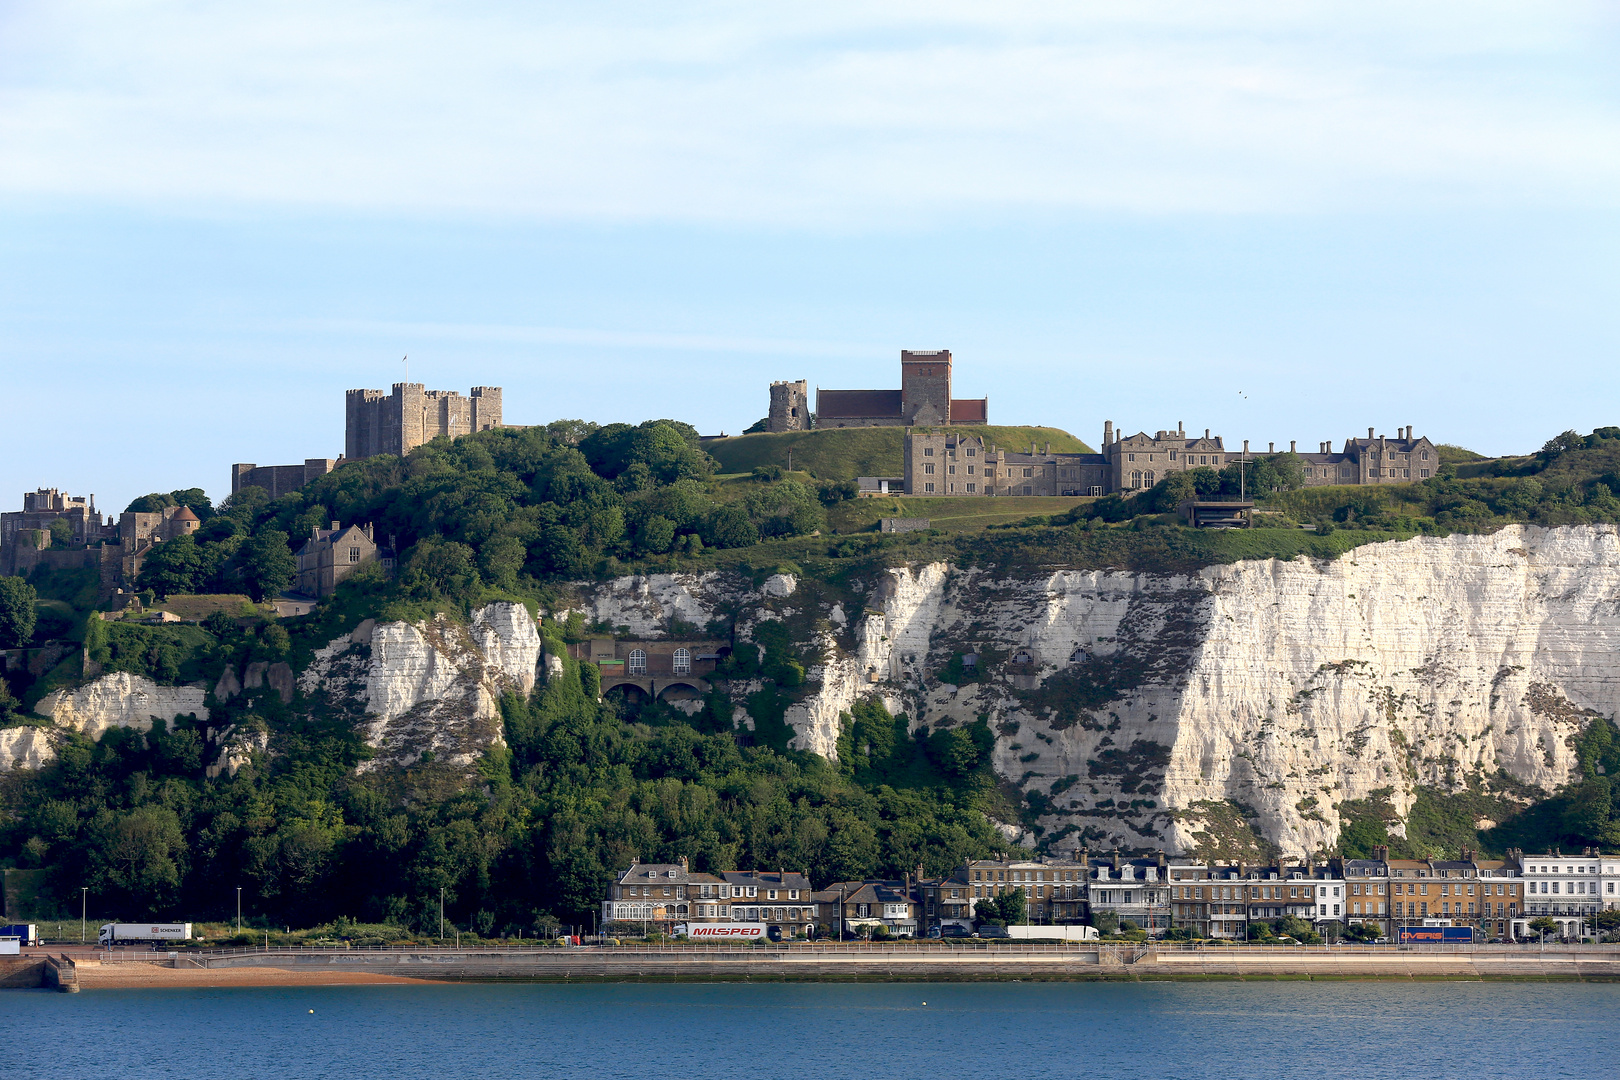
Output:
x=1496 y=898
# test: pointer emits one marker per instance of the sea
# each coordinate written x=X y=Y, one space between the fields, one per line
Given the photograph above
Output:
x=822 y=1031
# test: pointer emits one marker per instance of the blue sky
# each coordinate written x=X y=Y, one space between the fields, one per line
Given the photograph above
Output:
x=1279 y=221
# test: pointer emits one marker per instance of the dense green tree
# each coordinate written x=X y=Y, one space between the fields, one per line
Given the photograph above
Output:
x=17 y=616
x=174 y=566
x=268 y=564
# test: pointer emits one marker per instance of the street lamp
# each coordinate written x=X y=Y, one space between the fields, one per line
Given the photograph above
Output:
x=239 y=909
x=441 y=912
x=84 y=923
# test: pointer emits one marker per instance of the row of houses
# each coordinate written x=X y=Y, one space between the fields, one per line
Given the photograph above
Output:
x=1498 y=898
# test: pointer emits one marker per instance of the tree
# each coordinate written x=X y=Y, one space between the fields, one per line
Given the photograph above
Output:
x=1004 y=909
x=171 y=567
x=268 y=564
x=17 y=616
x=1544 y=925
x=61 y=533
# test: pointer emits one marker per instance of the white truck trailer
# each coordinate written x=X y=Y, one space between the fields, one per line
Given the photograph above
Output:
x=1048 y=933
x=143 y=933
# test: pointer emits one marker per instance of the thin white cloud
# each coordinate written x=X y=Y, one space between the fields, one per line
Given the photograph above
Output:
x=835 y=113
x=496 y=333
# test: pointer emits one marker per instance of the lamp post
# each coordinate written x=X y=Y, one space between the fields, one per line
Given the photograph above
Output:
x=239 y=909
x=84 y=922
x=441 y=912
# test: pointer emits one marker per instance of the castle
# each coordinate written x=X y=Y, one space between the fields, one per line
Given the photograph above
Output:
x=412 y=415
x=924 y=399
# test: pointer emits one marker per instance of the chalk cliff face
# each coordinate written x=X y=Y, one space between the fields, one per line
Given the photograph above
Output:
x=1166 y=710
x=121 y=700
x=26 y=748
x=429 y=688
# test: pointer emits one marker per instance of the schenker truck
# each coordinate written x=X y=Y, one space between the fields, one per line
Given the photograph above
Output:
x=132 y=933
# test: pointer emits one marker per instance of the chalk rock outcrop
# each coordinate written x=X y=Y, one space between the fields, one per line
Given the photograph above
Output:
x=1172 y=710
x=26 y=748
x=429 y=688
x=121 y=700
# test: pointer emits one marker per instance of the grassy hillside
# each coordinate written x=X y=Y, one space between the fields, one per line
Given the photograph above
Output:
x=845 y=453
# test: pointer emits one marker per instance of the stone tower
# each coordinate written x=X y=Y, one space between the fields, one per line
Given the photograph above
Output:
x=925 y=387
x=411 y=415
x=790 y=406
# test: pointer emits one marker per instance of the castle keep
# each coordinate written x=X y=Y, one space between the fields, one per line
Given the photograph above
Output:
x=412 y=415
x=924 y=399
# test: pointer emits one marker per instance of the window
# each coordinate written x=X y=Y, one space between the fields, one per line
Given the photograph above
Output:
x=929 y=488
x=683 y=662
x=1029 y=472
x=970 y=451
x=1423 y=472
x=951 y=469
x=1028 y=490
x=1130 y=457
x=970 y=470
x=928 y=469
x=928 y=451
x=354 y=555
x=638 y=662
x=972 y=487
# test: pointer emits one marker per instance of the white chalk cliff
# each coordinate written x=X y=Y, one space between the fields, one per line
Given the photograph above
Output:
x=121 y=700
x=1146 y=709
x=431 y=687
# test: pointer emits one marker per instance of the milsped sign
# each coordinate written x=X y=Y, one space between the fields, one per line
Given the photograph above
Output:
x=726 y=931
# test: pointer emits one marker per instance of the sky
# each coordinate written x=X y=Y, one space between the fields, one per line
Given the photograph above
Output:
x=1280 y=221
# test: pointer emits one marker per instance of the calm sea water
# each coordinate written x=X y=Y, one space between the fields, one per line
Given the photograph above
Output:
x=1227 y=1031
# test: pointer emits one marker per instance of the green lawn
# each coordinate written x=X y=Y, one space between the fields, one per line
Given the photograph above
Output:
x=845 y=453
x=967 y=514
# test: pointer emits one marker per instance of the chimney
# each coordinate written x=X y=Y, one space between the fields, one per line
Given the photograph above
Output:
x=1115 y=859
x=1291 y=447
x=683 y=863
x=1206 y=433
x=1048 y=449
x=1408 y=432
x=1245 y=446
x=1180 y=431
x=1108 y=432
x=1271 y=448
x=336 y=525
x=1369 y=434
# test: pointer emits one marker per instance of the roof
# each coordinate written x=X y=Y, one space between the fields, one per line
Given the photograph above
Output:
x=786 y=879
x=970 y=410
x=859 y=404
x=185 y=514
x=663 y=872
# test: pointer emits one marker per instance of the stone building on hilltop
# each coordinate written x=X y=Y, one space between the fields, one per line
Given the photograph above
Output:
x=944 y=463
x=399 y=422
x=330 y=555
x=924 y=399
x=278 y=480
x=26 y=532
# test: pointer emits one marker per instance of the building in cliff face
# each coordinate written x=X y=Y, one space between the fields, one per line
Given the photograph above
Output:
x=924 y=399
x=278 y=480
x=410 y=415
